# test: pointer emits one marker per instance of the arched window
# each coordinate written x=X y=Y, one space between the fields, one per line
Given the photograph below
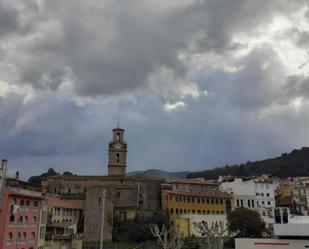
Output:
x=35 y=204
x=118 y=137
x=32 y=236
x=21 y=219
x=172 y=210
x=12 y=218
x=34 y=219
x=27 y=203
x=26 y=219
x=19 y=236
x=117 y=158
x=10 y=236
x=22 y=202
x=24 y=236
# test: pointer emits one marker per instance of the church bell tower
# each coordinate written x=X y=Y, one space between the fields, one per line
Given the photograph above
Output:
x=117 y=154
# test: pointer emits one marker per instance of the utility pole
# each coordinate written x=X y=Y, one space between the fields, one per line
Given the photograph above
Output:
x=102 y=219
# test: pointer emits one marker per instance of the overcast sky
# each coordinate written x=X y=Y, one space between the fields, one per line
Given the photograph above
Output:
x=196 y=84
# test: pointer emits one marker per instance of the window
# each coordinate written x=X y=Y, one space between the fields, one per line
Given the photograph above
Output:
x=10 y=236
x=24 y=236
x=267 y=194
x=32 y=237
x=20 y=219
x=237 y=203
x=35 y=204
x=252 y=203
x=268 y=202
x=25 y=220
x=12 y=218
x=27 y=203
x=199 y=211
x=22 y=202
x=177 y=211
x=118 y=137
x=172 y=211
x=242 y=202
x=34 y=219
x=19 y=236
x=249 y=204
x=117 y=158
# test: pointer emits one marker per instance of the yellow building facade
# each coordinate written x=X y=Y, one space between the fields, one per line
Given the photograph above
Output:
x=183 y=199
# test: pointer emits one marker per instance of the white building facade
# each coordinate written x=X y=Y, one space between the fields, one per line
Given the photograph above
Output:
x=253 y=193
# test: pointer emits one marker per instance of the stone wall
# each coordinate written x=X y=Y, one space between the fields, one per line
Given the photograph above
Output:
x=93 y=215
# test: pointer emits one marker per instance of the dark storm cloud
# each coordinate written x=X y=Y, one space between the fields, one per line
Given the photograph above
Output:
x=112 y=48
x=8 y=19
x=107 y=52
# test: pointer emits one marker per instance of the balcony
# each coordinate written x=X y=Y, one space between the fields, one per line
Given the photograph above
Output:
x=62 y=237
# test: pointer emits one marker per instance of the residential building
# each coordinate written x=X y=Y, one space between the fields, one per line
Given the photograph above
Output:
x=192 y=200
x=64 y=224
x=300 y=200
x=257 y=193
x=20 y=215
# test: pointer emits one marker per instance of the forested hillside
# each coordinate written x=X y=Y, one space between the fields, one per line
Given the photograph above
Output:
x=295 y=163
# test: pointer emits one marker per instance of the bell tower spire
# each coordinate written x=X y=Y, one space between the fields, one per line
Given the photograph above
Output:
x=117 y=152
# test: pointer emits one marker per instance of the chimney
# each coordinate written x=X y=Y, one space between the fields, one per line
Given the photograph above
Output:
x=17 y=175
x=4 y=164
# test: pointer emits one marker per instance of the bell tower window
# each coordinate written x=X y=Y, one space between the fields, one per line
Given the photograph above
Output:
x=117 y=158
x=118 y=137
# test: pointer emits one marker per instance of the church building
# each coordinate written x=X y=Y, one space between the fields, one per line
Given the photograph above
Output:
x=125 y=196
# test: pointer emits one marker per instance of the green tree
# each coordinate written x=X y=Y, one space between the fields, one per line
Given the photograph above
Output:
x=246 y=223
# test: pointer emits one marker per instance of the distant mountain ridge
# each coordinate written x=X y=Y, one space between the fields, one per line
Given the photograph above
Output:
x=158 y=173
x=291 y=164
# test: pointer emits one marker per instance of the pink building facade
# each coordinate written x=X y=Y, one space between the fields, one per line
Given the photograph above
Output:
x=19 y=216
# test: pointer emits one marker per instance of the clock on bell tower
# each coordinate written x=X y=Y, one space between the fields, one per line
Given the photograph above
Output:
x=117 y=154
